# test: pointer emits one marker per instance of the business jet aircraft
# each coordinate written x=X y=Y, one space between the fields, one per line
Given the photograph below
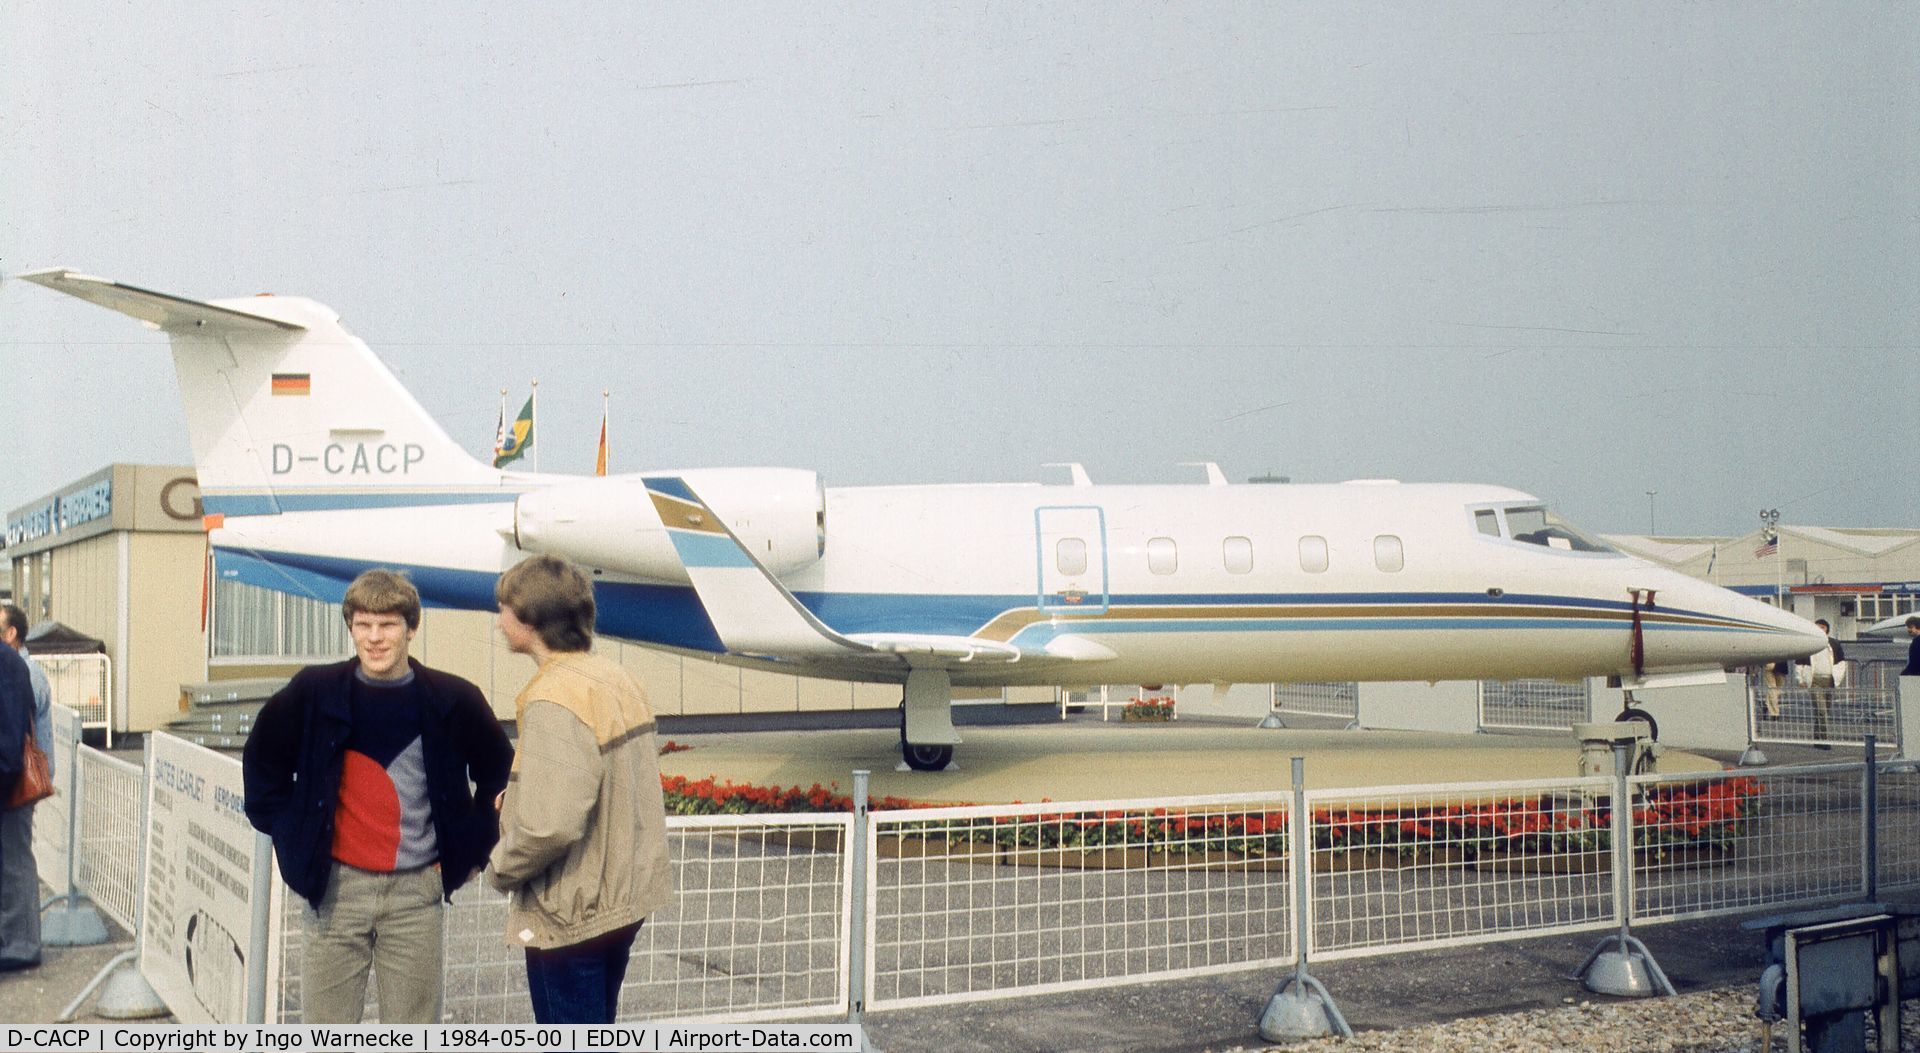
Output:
x=314 y=464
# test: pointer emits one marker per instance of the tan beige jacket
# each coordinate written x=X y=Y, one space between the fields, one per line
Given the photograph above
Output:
x=583 y=840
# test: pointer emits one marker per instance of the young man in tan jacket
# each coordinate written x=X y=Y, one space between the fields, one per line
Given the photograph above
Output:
x=583 y=839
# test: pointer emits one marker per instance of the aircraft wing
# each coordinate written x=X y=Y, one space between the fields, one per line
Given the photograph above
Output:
x=755 y=615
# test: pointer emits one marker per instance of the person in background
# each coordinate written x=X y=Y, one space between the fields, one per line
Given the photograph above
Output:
x=24 y=700
x=583 y=839
x=360 y=772
x=1823 y=675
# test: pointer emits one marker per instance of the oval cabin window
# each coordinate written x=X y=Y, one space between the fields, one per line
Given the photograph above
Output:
x=1162 y=555
x=1313 y=554
x=1387 y=554
x=1237 y=552
x=1071 y=555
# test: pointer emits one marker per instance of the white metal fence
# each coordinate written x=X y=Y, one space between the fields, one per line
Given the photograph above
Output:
x=756 y=931
x=1867 y=703
x=984 y=902
x=963 y=904
x=84 y=684
x=1534 y=705
x=111 y=841
x=1319 y=699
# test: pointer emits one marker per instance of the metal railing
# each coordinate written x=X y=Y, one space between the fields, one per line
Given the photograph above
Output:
x=111 y=841
x=1784 y=711
x=1319 y=699
x=972 y=903
x=84 y=684
x=990 y=902
x=756 y=931
x=1534 y=705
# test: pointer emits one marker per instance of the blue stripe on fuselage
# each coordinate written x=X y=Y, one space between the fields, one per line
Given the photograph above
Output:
x=665 y=614
x=266 y=504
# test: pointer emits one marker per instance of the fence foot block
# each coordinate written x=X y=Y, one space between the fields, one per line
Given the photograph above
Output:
x=1627 y=970
x=72 y=925
x=1301 y=1009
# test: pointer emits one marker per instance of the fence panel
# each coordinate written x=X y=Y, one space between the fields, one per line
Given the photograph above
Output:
x=990 y=902
x=82 y=683
x=112 y=843
x=1726 y=843
x=756 y=931
x=1899 y=825
x=1425 y=866
x=1534 y=705
x=1322 y=699
x=1786 y=712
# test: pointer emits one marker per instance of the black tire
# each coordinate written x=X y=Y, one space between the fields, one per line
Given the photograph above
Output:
x=1653 y=726
x=926 y=758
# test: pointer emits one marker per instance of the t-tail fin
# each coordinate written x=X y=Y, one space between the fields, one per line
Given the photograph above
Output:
x=286 y=409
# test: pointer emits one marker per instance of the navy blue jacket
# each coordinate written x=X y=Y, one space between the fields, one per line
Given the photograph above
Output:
x=293 y=757
x=16 y=715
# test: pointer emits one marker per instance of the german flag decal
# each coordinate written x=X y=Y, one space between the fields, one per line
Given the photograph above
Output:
x=293 y=383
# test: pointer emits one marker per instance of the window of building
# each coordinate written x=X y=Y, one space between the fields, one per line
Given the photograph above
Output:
x=1879 y=606
x=1070 y=554
x=46 y=584
x=1237 y=552
x=254 y=623
x=1313 y=554
x=1163 y=556
x=1387 y=553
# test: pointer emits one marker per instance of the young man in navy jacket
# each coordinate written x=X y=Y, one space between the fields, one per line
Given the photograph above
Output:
x=360 y=771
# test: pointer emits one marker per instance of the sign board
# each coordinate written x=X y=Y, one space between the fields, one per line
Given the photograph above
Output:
x=52 y=818
x=203 y=900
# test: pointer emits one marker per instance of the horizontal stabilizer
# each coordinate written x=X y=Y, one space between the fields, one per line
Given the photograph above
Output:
x=159 y=310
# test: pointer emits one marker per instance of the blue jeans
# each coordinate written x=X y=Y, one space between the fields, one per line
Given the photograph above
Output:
x=580 y=983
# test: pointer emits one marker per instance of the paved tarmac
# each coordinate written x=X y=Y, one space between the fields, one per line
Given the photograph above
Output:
x=1083 y=759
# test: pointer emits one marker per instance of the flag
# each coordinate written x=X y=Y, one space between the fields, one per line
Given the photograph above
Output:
x=292 y=384
x=600 y=457
x=516 y=440
x=1767 y=548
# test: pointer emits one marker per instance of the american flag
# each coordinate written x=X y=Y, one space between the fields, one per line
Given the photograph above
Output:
x=1767 y=548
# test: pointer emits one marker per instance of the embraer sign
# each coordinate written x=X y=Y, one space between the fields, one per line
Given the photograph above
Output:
x=63 y=512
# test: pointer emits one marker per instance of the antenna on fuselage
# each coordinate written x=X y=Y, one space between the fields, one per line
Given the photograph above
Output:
x=1215 y=477
x=1074 y=469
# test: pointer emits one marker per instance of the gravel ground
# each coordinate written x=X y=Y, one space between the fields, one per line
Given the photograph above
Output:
x=1718 y=1021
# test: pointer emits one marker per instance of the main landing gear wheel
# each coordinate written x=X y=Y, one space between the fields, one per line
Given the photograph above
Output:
x=1630 y=713
x=922 y=758
x=926 y=758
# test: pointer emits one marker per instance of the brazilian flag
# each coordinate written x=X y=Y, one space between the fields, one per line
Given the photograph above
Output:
x=515 y=440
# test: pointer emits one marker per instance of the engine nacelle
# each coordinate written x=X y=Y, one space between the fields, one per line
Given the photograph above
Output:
x=779 y=514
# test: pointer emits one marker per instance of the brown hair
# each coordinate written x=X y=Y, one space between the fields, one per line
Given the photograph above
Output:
x=553 y=598
x=382 y=591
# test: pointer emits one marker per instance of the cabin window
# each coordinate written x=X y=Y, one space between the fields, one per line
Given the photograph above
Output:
x=1313 y=554
x=1387 y=553
x=1485 y=521
x=1238 y=554
x=1162 y=555
x=1071 y=556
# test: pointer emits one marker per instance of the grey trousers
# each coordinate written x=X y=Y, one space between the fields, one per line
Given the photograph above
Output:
x=19 y=889
x=392 y=922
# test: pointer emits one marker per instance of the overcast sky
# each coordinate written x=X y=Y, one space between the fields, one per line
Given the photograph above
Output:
x=1585 y=250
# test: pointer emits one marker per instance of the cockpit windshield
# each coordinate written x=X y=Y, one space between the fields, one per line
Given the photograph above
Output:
x=1537 y=525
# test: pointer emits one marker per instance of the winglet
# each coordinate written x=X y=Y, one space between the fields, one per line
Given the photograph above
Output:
x=752 y=612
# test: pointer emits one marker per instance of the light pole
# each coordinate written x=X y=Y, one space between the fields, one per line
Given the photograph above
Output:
x=1650 y=496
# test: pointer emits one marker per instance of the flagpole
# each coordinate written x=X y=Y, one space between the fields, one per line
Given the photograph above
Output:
x=605 y=453
x=533 y=422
